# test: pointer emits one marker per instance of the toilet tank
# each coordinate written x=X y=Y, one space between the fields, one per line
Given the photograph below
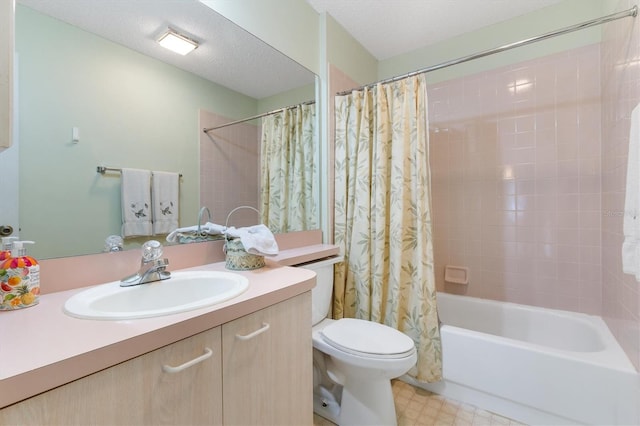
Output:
x=321 y=295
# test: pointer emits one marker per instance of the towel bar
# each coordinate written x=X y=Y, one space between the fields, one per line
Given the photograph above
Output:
x=103 y=169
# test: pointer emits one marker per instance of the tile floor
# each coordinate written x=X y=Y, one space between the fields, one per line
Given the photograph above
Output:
x=417 y=407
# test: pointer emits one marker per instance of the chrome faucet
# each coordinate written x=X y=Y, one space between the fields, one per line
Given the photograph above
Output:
x=152 y=266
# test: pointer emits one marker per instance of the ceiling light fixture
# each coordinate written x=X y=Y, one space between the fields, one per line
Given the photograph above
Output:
x=177 y=42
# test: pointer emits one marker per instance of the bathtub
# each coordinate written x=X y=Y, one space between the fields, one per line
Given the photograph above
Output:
x=534 y=365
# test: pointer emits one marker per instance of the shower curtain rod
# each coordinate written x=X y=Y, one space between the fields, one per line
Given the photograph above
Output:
x=264 y=114
x=604 y=19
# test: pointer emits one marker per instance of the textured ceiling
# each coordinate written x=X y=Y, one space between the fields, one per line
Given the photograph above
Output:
x=227 y=54
x=232 y=57
x=387 y=28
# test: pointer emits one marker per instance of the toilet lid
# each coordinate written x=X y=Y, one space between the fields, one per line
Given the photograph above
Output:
x=362 y=337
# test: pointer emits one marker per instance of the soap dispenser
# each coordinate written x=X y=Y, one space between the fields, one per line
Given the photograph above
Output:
x=19 y=279
x=5 y=251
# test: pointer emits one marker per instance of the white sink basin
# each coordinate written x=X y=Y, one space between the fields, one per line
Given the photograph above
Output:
x=184 y=291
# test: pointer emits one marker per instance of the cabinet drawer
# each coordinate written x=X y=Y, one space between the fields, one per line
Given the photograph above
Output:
x=137 y=392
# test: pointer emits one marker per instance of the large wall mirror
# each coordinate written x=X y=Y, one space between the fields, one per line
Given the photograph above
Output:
x=95 y=66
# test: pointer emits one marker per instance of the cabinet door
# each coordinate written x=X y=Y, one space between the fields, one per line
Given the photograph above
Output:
x=267 y=366
x=137 y=392
x=7 y=8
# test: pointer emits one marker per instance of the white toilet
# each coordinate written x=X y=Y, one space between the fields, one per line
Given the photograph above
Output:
x=354 y=360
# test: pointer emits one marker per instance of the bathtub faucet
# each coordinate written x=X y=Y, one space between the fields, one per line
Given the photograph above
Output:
x=152 y=266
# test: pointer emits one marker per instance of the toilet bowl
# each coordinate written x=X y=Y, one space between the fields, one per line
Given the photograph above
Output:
x=362 y=357
x=354 y=360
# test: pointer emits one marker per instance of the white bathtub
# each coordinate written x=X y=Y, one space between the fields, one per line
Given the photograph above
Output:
x=534 y=365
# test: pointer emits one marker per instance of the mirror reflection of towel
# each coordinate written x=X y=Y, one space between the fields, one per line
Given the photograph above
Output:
x=136 y=202
x=208 y=229
x=165 y=198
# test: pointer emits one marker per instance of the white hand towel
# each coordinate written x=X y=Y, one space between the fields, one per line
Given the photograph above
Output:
x=165 y=196
x=136 y=202
x=631 y=218
x=256 y=239
x=208 y=228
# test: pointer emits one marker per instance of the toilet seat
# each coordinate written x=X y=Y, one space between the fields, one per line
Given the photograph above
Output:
x=367 y=339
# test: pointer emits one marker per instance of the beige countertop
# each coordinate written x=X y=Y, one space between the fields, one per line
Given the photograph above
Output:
x=41 y=347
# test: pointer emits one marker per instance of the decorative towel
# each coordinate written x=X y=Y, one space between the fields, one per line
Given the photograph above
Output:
x=165 y=190
x=256 y=239
x=631 y=218
x=208 y=231
x=136 y=202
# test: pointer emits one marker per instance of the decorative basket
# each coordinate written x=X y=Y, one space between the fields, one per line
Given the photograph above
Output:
x=237 y=258
x=198 y=235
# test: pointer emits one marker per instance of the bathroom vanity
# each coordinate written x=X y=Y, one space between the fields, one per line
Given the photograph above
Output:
x=244 y=361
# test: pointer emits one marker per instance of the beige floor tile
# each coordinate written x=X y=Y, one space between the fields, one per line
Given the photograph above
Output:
x=449 y=407
x=481 y=421
x=468 y=408
x=428 y=419
x=431 y=411
x=499 y=420
x=465 y=415
x=415 y=405
x=418 y=407
x=434 y=403
x=445 y=420
x=462 y=422
x=411 y=414
x=321 y=421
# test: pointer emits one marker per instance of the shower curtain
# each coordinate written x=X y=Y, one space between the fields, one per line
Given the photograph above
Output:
x=383 y=218
x=289 y=172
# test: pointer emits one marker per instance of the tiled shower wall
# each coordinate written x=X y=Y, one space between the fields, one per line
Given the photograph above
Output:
x=229 y=170
x=516 y=181
x=620 y=94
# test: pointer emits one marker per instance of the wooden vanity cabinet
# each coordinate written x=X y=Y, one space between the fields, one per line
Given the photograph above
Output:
x=267 y=366
x=254 y=375
x=136 y=392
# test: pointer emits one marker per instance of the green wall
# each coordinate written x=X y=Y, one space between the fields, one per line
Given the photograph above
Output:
x=131 y=110
x=316 y=40
x=292 y=97
x=348 y=55
x=563 y=14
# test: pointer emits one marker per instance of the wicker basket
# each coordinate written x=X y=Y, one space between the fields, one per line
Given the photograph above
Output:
x=237 y=259
x=198 y=235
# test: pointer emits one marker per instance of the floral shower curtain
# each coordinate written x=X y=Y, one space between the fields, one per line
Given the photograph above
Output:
x=383 y=218
x=289 y=171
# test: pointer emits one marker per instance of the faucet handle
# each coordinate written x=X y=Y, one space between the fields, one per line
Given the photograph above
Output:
x=151 y=250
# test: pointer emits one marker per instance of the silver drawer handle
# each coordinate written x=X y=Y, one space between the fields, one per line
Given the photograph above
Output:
x=264 y=328
x=169 y=369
